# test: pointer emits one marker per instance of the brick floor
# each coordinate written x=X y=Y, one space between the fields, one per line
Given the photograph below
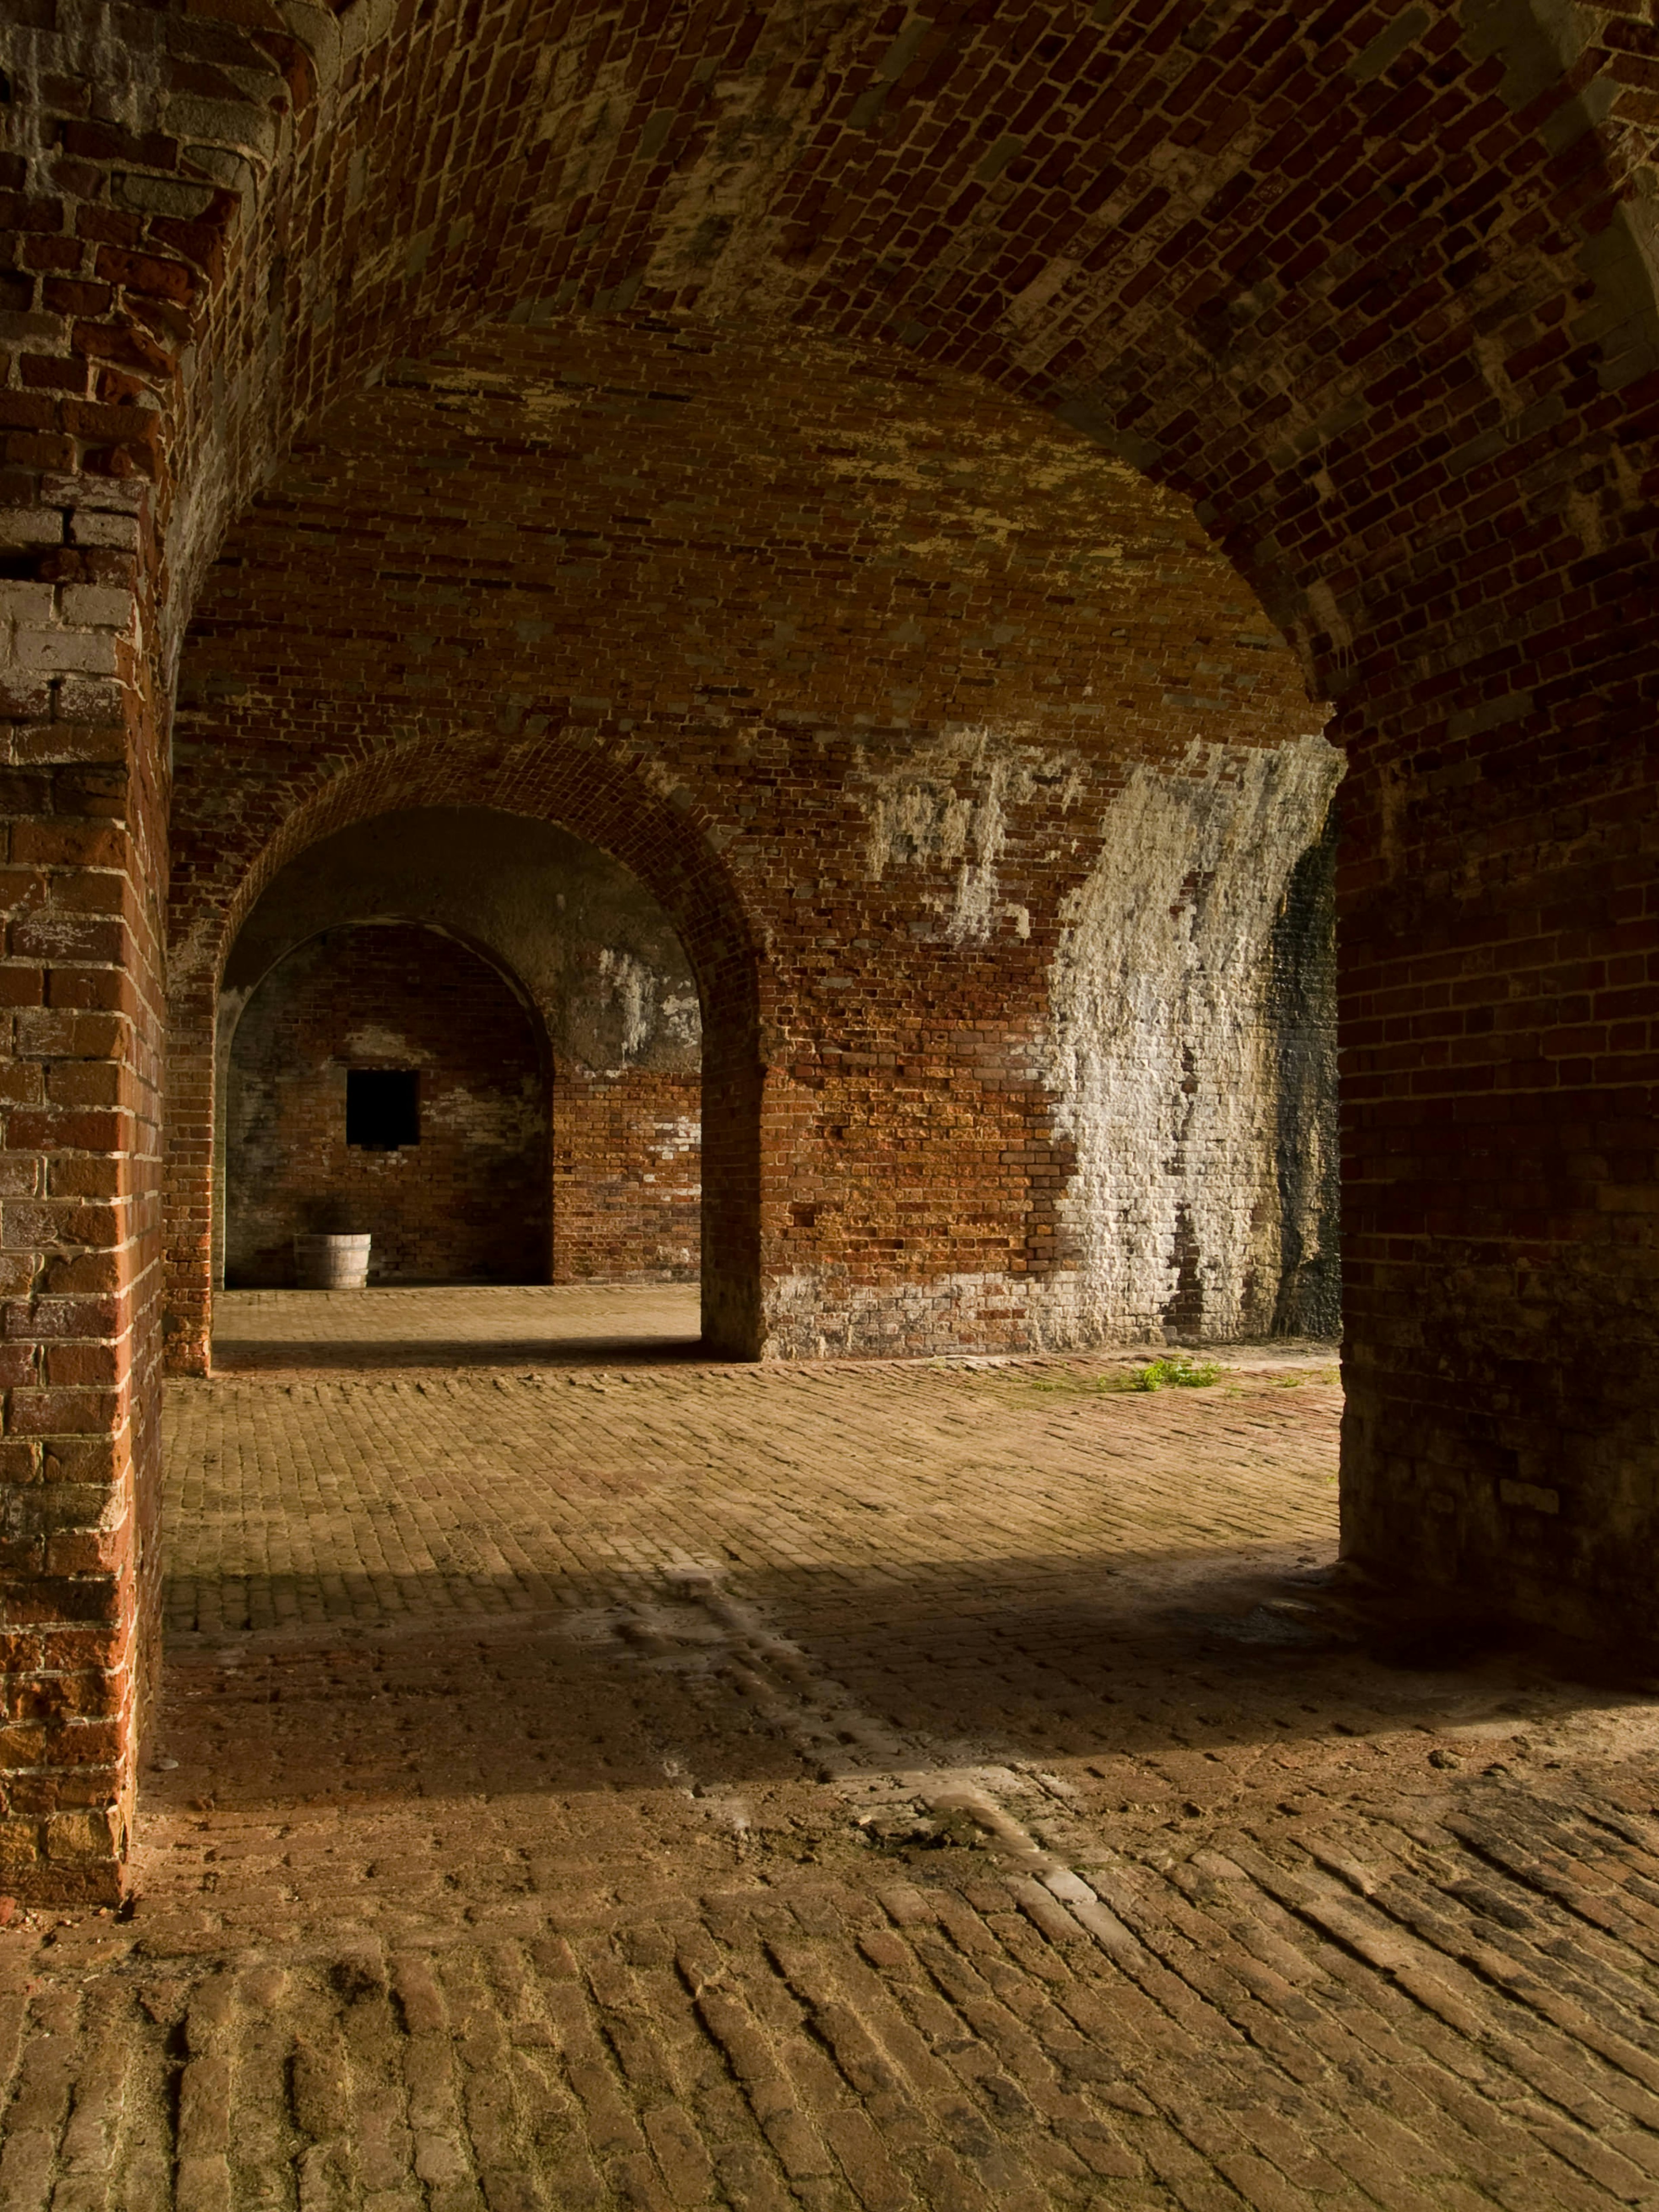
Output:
x=654 y=1784
x=531 y=1326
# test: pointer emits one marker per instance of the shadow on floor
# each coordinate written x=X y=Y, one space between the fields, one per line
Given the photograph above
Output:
x=1182 y=1678
x=378 y=1355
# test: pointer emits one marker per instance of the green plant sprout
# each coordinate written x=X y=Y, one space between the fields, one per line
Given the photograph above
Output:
x=1177 y=1373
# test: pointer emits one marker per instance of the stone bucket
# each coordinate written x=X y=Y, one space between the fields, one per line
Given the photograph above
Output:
x=332 y=1263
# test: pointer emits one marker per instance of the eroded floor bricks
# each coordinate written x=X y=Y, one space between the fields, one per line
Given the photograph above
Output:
x=938 y=1785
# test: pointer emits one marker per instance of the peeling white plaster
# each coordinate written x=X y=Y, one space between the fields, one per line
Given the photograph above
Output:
x=1159 y=1050
x=646 y=1008
x=808 y=1318
x=680 y=1015
x=1162 y=1053
x=626 y=983
x=921 y=817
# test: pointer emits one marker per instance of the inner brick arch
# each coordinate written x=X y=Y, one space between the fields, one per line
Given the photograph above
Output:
x=596 y=793
x=861 y=610
x=578 y=939
x=1465 y=652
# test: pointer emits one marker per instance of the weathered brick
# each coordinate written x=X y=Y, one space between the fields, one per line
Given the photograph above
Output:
x=1321 y=274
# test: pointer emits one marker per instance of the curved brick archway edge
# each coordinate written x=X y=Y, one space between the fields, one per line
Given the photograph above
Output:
x=1372 y=288
x=596 y=794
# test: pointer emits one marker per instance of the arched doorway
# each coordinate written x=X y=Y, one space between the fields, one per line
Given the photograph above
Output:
x=573 y=944
x=645 y=981
x=922 y=762
x=385 y=1080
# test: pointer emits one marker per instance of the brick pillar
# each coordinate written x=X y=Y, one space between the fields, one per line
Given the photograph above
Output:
x=79 y=1222
x=1499 y=941
x=191 y=1091
x=738 y=1141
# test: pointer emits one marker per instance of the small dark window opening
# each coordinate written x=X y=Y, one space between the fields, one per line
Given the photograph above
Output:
x=383 y=1108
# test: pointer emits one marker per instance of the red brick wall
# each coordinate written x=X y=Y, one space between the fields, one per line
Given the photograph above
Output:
x=1368 y=287
x=469 y=1203
x=627 y=1176
x=82 y=888
x=889 y=649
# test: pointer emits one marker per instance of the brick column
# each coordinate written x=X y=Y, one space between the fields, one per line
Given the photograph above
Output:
x=191 y=1095
x=734 y=1137
x=79 y=1222
x=1498 y=944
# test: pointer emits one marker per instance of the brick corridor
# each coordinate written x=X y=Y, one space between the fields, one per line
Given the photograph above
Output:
x=658 y=1785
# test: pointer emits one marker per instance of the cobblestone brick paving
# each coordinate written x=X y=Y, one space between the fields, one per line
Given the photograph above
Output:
x=844 y=1786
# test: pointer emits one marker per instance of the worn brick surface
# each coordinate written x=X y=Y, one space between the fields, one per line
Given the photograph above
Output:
x=651 y=1783
x=1368 y=288
x=313 y=1330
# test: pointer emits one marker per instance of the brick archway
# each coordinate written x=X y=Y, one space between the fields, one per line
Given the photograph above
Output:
x=1374 y=292
x=387 y=1078
x=596 y=793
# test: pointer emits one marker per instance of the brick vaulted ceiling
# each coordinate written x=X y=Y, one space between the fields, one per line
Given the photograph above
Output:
x=1367 y=284
x=631 y=524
